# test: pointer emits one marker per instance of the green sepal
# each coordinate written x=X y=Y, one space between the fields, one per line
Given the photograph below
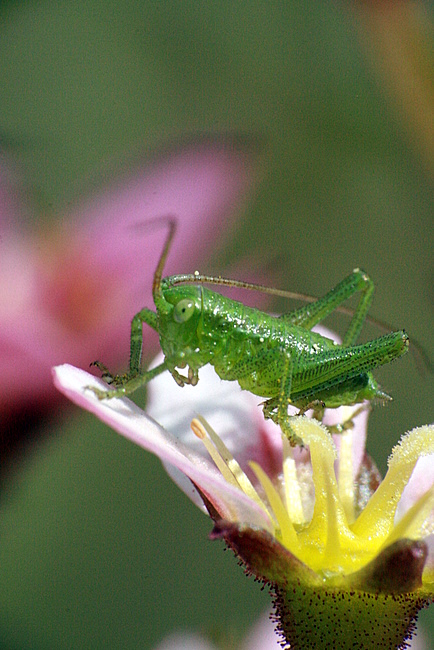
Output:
x=375 y=608
x=397 y=569
x=262 y=555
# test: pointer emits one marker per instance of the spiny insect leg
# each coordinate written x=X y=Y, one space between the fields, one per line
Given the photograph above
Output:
x=105 y=372
x=276 y=408
x=315 y=312
x=317 y=406
x=283 y=400
x=270 y=412
x=338 y=365
x=128 y=384
x=190 y=380
x=136 y=343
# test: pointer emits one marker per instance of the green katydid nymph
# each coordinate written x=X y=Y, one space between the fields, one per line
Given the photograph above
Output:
x=278 y=358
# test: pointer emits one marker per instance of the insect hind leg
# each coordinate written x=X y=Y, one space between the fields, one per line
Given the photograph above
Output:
x=314 y=313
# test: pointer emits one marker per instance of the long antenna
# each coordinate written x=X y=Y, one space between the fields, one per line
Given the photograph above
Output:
x=191 y=278
x=157 y=293
x=422 y=360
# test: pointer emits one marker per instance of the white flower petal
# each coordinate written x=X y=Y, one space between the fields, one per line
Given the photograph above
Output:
x=184 y=641
x=421 y=480
x=130 y=421
x=235 y=415
x=263 y=635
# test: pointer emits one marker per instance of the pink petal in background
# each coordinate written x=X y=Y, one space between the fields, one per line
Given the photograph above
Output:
x=68 y=294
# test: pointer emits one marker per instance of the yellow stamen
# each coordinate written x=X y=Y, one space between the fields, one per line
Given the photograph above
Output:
x=345 y=479
x=289 y=536
x=327 y=543
x=293 y=502
x=200 y=432
x=328 y=529
x=380 y=511
x=225 y=462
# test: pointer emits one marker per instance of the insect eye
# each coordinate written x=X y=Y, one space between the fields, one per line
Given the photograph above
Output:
x=183 y=310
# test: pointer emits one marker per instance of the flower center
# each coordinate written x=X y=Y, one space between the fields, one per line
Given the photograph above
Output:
x=331 y=540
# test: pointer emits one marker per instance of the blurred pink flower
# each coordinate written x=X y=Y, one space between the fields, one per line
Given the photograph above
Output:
x=69 y=291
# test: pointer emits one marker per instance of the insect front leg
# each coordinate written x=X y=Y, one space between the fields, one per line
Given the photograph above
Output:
x=315 y=312
x=191 y=379
x=135 y=377
x=193 y=376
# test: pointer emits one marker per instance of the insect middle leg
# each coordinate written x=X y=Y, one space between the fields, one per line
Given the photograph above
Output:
x=315 y=312
x=276 y=408
x=262 y=367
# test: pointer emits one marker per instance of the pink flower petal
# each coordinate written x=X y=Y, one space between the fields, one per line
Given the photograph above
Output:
x=130 y=421
x=234 y=414
x=263 y=635
x=421 y=480
x=198 y=184
x=76 y=290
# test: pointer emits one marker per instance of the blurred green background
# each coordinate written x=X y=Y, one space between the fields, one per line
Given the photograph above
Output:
x=98 y=549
